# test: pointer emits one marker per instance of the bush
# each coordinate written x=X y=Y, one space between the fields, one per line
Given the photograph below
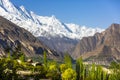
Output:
x=53 y=72
x=63 y=67
x=69 y=74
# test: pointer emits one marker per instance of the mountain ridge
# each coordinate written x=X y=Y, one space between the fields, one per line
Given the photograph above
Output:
x=103 y=45
x=43 y=26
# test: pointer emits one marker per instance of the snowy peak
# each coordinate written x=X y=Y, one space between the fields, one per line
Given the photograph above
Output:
x=43 y=25
x=83 y=31
x=5 y=1
x=8 y=5
x=24 y=10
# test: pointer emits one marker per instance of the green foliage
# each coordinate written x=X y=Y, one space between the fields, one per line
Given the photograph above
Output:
x=10 y=66
x=115 y=71
x=53 y=71
x=92 y=72
x=63 y=67
x=45 y=58
x=115 y=65
x=9 y=56
x=80 y=69
x=68 y=60
x=69 y=74
x=22 y=57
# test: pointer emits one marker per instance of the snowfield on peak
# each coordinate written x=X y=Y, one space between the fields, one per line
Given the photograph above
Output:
x=43 y=26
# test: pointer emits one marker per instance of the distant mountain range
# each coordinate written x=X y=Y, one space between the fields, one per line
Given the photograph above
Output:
x=13 y=38
x=101 y=48
x=47 y=29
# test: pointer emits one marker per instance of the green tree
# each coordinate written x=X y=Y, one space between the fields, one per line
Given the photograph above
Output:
x=80 y=69
x=92 y=72
x=68 y=60
x=53 y=72
x=45 y=58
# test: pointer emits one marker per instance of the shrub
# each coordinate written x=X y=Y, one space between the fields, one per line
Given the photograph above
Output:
x=63 y=67
x=69 y=74
x=53 y=72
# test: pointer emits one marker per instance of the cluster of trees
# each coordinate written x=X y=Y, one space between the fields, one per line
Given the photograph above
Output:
x=9 y=68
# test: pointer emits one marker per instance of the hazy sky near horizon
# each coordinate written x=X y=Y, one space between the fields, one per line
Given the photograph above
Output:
x=91 y=13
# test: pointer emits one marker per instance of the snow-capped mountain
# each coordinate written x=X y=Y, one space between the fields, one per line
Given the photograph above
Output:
x=43 y=26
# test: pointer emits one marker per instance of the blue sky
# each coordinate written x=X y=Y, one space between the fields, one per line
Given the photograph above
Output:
x=91 y=13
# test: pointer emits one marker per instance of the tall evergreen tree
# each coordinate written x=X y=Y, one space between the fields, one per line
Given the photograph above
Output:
x=45 y=58
x=78 y=69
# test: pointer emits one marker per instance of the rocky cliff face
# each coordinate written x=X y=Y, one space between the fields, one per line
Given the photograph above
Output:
x=103 y=46
x=60 y=45
x=12 y=37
